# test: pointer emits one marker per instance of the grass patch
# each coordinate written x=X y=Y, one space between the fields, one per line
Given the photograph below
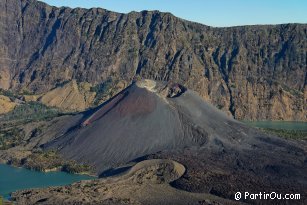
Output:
x=104 y=90
x=32 y=111
x=42 y=161
x=50 y=160
x=287 y=134
x=220 y=107
x=8 y=94
x=11 y=138
x=11 y=131
x=291 y=90
x=74 y=168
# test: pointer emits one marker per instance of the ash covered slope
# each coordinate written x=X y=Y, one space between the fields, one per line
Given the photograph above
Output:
x=253 y=72
x=140 y=120
x=149 y=117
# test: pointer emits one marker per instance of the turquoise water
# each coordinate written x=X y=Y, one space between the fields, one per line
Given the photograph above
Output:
x=279 y=125
x=13 y=179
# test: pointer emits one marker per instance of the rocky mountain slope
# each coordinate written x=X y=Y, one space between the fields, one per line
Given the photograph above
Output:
x=251 y=72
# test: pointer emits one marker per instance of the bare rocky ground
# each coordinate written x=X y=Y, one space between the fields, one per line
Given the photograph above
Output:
x=155 y=120
x=85 y=56
x=146 y=183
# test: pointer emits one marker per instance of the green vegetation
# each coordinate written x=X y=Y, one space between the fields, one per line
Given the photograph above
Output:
x=42 y=161
x=233 y=85
x=51 y=160
x=26 y=92
x=104 y=90
x=73 y=167
x=12 y=123
x=4 y=202
x=32 y=111
x=10 y=138
x=15 y=95
x=220 y=107
x=8 y=93
x=288 y=134
x=291 y=90
x=103 y=87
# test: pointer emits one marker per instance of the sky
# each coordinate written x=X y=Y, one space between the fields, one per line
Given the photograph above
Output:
x=218 y=13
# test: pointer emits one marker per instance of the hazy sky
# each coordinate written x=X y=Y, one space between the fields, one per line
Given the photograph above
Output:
x=209 y=12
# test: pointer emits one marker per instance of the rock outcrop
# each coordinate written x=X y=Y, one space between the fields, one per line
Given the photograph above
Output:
x=6 y=104
x=251 y=72
x=212 y=151
x=71 y=97
x=146 y=183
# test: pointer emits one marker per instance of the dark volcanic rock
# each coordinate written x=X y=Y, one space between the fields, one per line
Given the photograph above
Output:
x=252 y=72
x=135 y=123
x=221 y=155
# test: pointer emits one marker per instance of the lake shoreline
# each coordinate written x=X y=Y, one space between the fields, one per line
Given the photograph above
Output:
x=44 y=161
x=290 y=130
x=20 y=178
x=286 y=125
x=56 y=169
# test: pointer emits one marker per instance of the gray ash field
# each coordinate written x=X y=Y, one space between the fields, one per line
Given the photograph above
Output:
x=155 y=120
x=137 y=122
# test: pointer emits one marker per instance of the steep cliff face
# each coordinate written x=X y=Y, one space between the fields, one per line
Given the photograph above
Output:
x=251 y=72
